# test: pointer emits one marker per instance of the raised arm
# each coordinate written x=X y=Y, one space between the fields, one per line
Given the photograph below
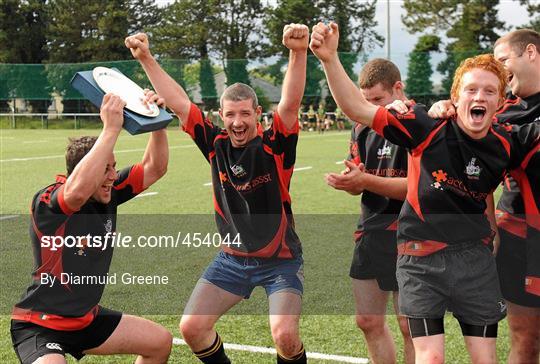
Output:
x=175 y=96
x=156 y=156
x=324 y=43
x=89 y=173
x=296 y=39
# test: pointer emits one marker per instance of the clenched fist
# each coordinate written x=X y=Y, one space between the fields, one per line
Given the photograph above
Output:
x=296 y=37
x=138 y=45
x=324 y=41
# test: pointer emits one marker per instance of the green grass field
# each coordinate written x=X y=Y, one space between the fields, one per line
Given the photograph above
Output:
x=181 y=202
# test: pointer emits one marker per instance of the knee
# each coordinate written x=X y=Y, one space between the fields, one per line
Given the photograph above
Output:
x=287 y=339
x=429 y=357
x=368 y=323
x=193 y=327
x=161 y=345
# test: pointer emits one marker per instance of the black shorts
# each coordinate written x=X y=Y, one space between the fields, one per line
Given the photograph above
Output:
x=460 y=278
x=512 y=268
x=32 y=341
x=374 y=257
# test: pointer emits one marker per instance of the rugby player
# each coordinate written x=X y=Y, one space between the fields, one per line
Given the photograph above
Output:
x=251 y=172
x=444 y=260
x=372 y=161
x=54 y=318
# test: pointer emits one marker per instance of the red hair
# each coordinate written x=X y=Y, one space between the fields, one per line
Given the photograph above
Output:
x=484 y=62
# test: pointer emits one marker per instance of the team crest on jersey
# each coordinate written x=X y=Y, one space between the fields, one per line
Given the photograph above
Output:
x=83 y=244
x=440 y=176
x=238 y=170
x=108 y=226
x=472 y=170
x=384 y=152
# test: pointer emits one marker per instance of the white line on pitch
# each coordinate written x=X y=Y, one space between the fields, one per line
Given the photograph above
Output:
x=146 y=194
x=62 y=155
x=7 y=217
x=261 y=349
x=35 y=141
x=207 y=184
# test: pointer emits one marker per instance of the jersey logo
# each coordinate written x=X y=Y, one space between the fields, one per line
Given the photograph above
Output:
x=238 y=170
x=440 y=176
x=384 y=152
x=53 y=346
x=472 y=170
x=108 y=226
x=223 y=177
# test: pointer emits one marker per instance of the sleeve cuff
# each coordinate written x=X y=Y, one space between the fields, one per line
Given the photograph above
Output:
x=62 y=202
x=282 y=129
x=380 y=120
x=532 y=285
x=195 y=117
x=136 y=178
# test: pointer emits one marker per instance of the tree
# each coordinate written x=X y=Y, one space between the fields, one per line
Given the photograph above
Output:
x=91 y=31
x=22 y=25
x=238 y=20
x=418 y=84
x=186 y=32
x=356 y=21
x=286 y=12
x=533 y=8
x=471 y=23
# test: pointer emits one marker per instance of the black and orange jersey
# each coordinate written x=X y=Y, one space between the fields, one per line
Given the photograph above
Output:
x=511 y=208
x=251 y=186
x=55 y=299
x=449 y=176
x=380 y=158
x=527 y=177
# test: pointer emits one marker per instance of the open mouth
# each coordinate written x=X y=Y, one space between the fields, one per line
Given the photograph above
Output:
x=106 y=188
x=478 y=113
x=239 y=133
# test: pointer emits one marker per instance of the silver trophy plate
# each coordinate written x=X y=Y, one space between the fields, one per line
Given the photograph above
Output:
x=111 y=81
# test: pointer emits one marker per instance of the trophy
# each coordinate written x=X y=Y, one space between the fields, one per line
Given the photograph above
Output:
x=139 y=117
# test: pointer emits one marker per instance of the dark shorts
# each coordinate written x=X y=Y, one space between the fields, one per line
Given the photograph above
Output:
x=374 y=257
x=240 y=275
x=32 y=341
x=460 y=278
x=512 y=268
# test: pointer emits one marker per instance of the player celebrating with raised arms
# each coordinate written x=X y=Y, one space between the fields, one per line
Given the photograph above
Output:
x=55 y=317
x=518 y=257
x=443 y=231
x=251 y=173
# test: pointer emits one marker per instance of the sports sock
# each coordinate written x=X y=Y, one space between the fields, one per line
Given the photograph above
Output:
x=299 y=358
x=215 y=354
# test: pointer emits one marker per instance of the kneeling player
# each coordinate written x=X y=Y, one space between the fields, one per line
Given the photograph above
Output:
x=54 y=319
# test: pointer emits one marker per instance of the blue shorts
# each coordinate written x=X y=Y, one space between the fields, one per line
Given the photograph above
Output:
x=240 y=275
